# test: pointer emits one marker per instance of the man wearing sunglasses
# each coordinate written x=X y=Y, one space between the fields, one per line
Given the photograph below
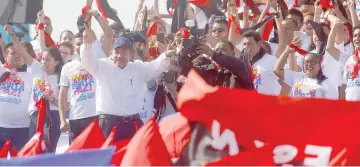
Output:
x=220 y=29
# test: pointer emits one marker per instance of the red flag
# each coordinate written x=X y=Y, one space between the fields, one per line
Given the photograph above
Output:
x=232 y=20
x=147 y=148
x=308 y=129
x=118 y=157
x=299 y=50
x=5 y=150
x=326 y=4
x=201 y=2
x=90 y=137
x=110 y=139
x=175 y=132
x=49 y=41
x=268 y=29
x=152 y=30
x=37 y=144
x=185 y=34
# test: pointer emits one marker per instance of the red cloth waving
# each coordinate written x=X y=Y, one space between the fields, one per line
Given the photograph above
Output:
x=147 y=148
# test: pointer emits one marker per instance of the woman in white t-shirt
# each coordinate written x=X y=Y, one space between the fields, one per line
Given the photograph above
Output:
x=46 y=85
x=310 y=84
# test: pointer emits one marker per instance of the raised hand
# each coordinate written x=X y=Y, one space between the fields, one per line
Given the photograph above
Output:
x=41 y=16
x=9 y=30
x=88 y=35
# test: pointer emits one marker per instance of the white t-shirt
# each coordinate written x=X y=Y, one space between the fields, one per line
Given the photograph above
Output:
x=353 y=86
x=14 y=100
x=117 y=91
x=332 y=69
x=265 y=81
x=303 y=86
x=349 y=49
x=40 y=85
x=82 y=90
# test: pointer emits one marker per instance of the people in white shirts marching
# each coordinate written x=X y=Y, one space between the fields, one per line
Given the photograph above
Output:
x=44 y=85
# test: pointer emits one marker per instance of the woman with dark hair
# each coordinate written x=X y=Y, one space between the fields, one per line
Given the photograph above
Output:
x=46 y=85
x=311 y=83
x=29 y=48
x=67 y=36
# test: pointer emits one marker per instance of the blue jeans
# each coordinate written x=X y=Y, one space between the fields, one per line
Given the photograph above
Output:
x=51 y=128
x=126 y=126
x=19 y=137
x=78 y=125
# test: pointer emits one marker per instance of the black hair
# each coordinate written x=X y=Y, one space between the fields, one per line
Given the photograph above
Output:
x=66 y=31
x=2 y=58
x=298 y=13
x=228 y=43
x=294 y=21
x=6 y=48
x=55 y=53
x=254 y=34
x=68 y=45
x=320 y=76
x=221 y=21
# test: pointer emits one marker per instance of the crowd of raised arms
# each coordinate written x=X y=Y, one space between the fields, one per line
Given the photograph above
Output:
x=297 y=48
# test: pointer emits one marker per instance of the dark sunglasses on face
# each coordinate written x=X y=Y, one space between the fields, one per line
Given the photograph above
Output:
x=218 y=30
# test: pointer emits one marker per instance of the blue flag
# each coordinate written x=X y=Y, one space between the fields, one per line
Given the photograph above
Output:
x=90 y=157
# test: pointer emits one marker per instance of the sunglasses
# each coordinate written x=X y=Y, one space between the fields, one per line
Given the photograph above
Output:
x=218 y=30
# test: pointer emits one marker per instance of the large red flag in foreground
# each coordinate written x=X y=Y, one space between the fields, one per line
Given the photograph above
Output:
x=147 y=148
x=288 y=130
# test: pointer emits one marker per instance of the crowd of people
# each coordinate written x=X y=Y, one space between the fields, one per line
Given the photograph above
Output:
x=300 y=48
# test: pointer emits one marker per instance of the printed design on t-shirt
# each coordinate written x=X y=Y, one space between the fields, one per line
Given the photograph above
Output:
x=11 y=90
x=40 y=87
x=349 y=72
x=143 y=113
x=82 y=85
x=304 y=90
x=257 y=78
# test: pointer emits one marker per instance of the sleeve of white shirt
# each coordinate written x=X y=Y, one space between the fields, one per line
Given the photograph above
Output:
x=64 y=80
x=330 y=90
x=93 y=65
x=291 y=76
x=35 y=67
x=150 y=70
x=97 y=50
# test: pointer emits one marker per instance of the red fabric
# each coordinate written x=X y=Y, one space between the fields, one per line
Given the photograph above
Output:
x=110 y=139
x=296 y=4
x=173 y=9
x=40 y=26
x=36 y=145
x=232 y=20
x=356 y=66
x=268 y=28
x=118 y=157
x=185 y=34
x=299 y=50
x=253 y=7
x=5 y=149
x=201 y=2
x=7 y=75
x=176 y=133
x=152 y=30
x=101 y=9
x=84 y=12
x=49 y=41
x=237 y=3
x=349 y=30
x=147 y=148
x=302 y=123
x=90 y=137
x=326 y=4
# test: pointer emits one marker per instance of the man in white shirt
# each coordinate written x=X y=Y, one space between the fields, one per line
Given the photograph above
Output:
x=15 y=90
x=119 y=84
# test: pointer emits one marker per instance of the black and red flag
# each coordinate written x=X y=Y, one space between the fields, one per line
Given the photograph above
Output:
x=106 y=10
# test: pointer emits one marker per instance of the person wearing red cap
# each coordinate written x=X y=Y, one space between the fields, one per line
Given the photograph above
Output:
x=118 y=84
